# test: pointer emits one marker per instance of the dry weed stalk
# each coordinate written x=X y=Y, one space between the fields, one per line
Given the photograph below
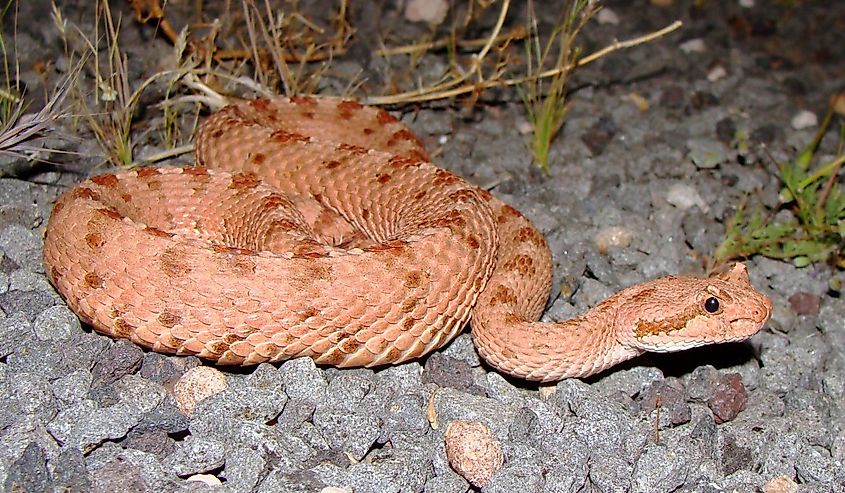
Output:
x=462 y=82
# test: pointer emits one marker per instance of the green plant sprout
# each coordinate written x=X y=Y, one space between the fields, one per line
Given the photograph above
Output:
x=545 y=99
x=814 y=196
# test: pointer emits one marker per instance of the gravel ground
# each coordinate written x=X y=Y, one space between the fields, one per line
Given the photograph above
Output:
x=82 y=412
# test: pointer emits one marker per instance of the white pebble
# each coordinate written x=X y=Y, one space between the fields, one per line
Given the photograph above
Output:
x=746 y=4
x=716 y=73
x=695 y=45
x=804 y=119
x=618 y=236
x=607 y=16
x=431 y=11
x=524 y=127
x=197 y=384
x=208 y=479
x=684 y=196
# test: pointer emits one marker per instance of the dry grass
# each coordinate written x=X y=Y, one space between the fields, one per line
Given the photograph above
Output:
x=263 y=51
x=22 y=133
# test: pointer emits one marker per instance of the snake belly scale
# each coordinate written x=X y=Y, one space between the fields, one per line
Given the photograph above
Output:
x=318 y=227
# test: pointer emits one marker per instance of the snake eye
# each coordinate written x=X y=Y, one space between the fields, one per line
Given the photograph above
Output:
x=711 y=305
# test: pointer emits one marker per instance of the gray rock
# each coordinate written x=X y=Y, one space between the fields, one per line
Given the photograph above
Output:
x=29 y=303
x=297 y=482
x=85 y=425
x=404 y=414
x=462 y=348
x=244 y=467
x=610 y=472
x=29 y=471
x=404 y=378
x=42 y=358
x=706 y=153
x=673 y=407
x=451 y=405
x=117 y=476
x=630 y=381
x=349 y=432
x=658 y=469
x=798 y=365
x=446 y=371
x=162 y=369
x=16 y=239
x=223 y=414
x=17 y=436
x=517 y=475
x=346 y=392
x=814 y=465
x=69 y=473
x=56 y=323
x=72 y=388
x=33 y=395
x=165 y=417
x=408 y=469
x=303 y=380
x=121 y=358
x=27 y=280
x=267 y=377
x=155 y=442
x=502 y=390
x=14 y=331
x=702 y=382
x=446 y=484
x=195 y=455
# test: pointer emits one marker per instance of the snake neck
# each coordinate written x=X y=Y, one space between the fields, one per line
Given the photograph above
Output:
x=582 y=346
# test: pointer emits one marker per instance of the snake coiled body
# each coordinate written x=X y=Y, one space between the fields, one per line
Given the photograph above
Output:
x=317 y=227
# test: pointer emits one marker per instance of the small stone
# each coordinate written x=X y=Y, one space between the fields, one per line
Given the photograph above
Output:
x=29 y=472
x=804 y=119
x=607 y=16
x=197 y=384
x=207 y=479
x=599 y=135
x=121 y=359
x=117 y=475
x=695 y=45
x=837 y=102
x=69 y=473
x=56 y=323
x=672 y=97
x=670 y=397
x=706 y=153
x=613 y=236
x=729 y=398
x=746 y=4
x=335 y=489
x=726 y=130
x=195 y=455
x=659 y=468
x=684 y=196
x=446 y=371
x=716 y=73
x=303 y=380
x=804 y=303
x=473 y=451
x=781 y=484
x=430 y=11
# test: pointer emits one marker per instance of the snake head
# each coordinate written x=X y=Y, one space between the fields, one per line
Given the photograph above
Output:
x=677 y=313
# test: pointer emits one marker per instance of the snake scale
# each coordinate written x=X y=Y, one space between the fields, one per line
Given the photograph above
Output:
x=318 y=227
